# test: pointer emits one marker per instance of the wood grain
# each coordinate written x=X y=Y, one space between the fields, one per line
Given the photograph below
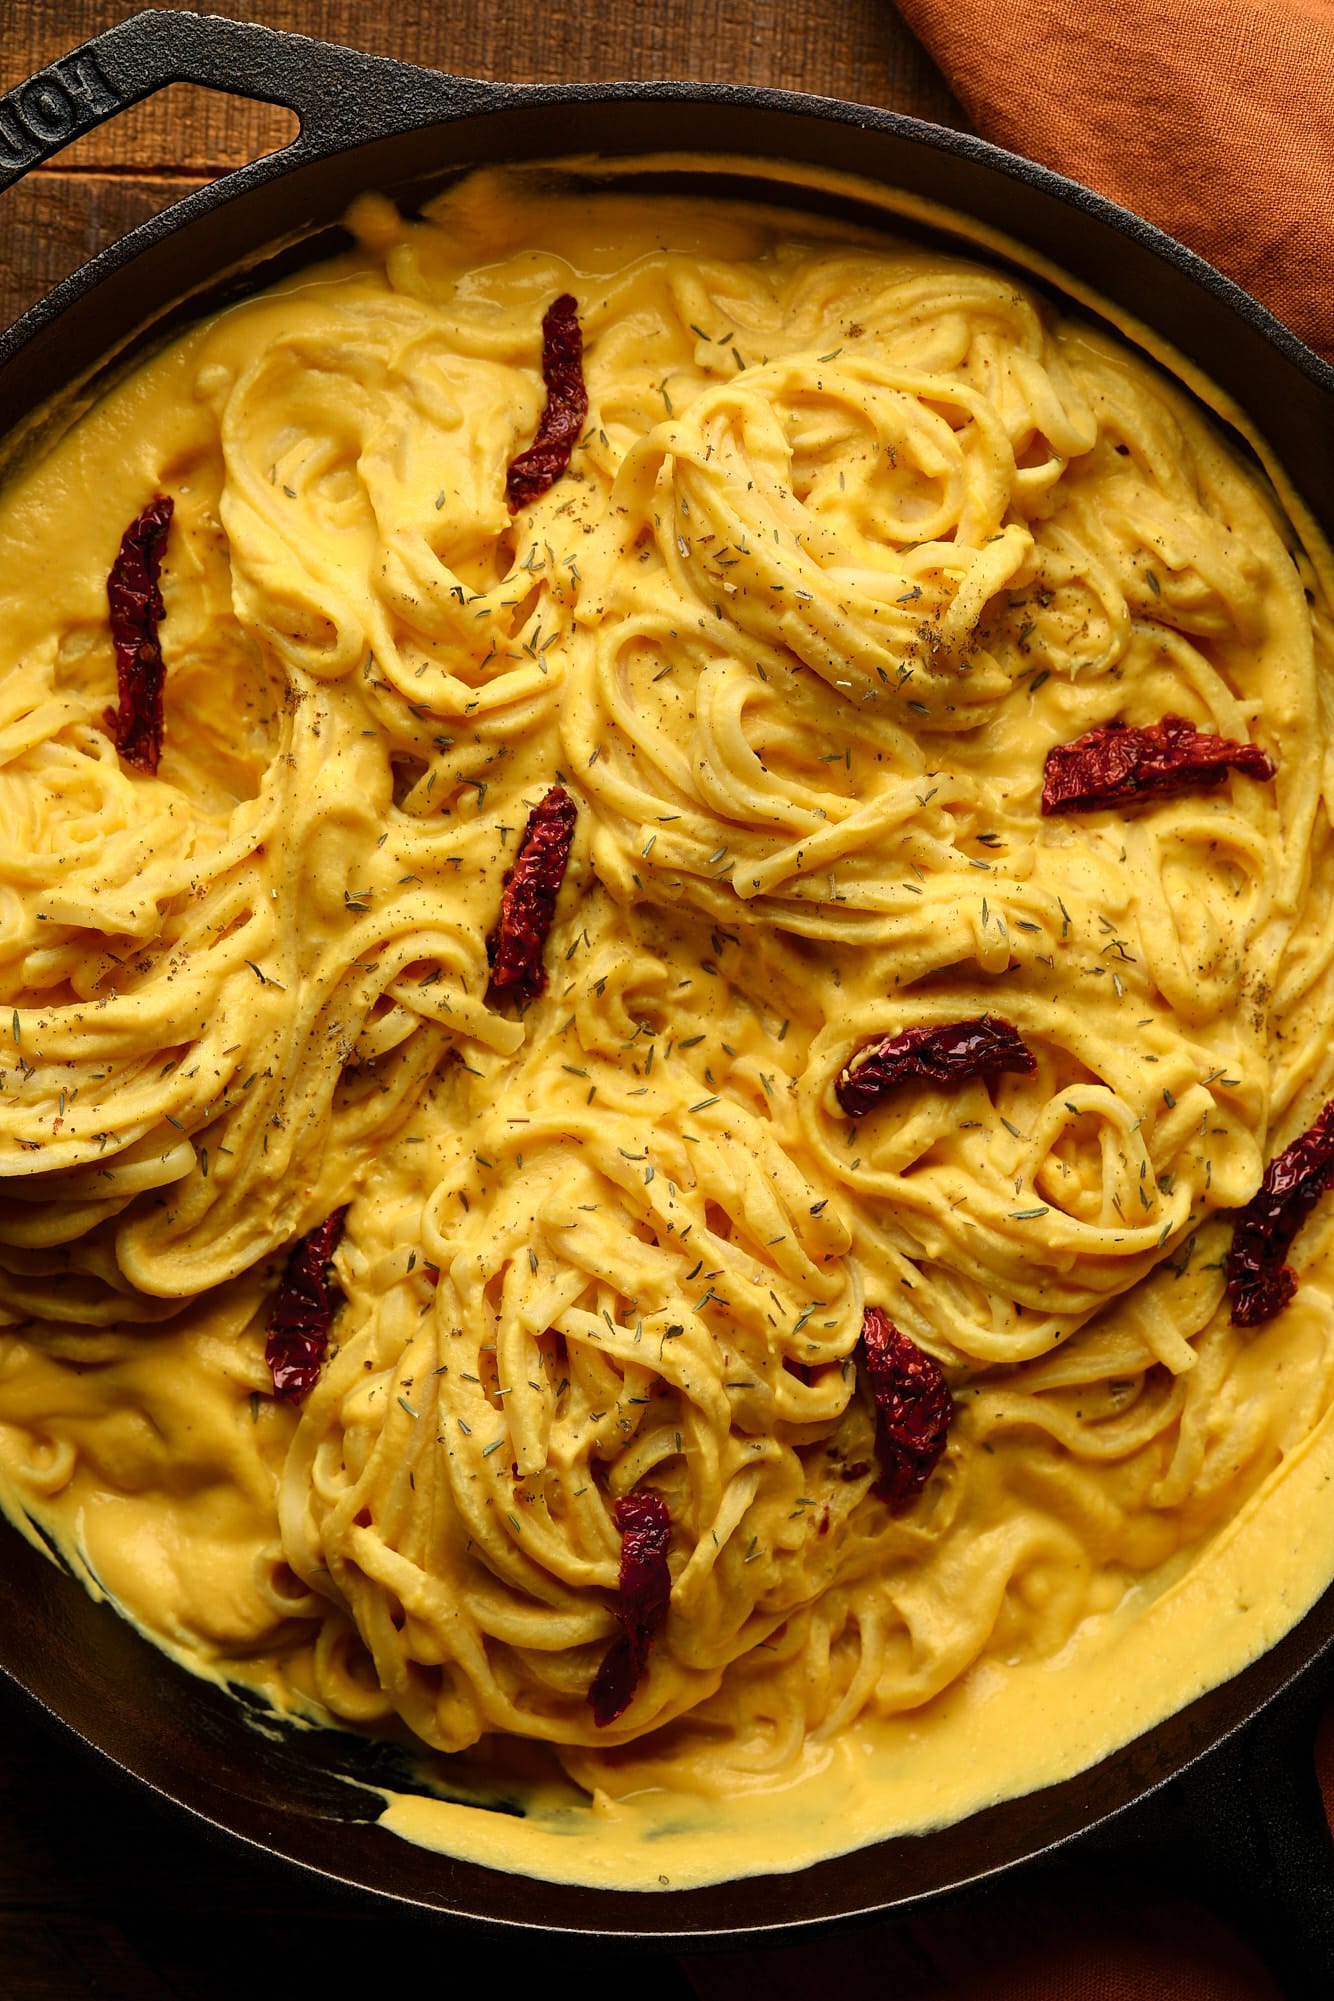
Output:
x=53 y=222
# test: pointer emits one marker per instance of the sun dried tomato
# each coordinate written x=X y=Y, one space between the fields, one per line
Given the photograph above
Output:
x=645 y=1588
x=533 y=471
x=1115 y=763
x=528 y=903
x=303 y=1311
x=913 y=1408
x=1259 y=1283
x=952 y=1054
x=135 y=600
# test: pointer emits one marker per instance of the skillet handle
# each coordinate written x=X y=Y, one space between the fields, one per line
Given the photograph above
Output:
x=341 y=96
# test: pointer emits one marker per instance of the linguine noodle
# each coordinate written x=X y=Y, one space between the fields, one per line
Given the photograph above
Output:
x=855 y=533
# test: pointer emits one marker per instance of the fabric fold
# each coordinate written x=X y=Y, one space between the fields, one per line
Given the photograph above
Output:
x=1213 y=119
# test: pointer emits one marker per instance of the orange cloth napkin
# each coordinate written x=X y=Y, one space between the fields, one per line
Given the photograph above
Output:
x=1213 y=118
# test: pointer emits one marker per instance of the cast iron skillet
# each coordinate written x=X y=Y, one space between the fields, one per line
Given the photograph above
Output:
x=1222 y=1795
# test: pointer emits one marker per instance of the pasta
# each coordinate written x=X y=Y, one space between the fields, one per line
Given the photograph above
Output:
x=855 y=533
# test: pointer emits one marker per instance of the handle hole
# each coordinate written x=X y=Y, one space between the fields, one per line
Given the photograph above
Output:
x=116 y=177
x=182 y=130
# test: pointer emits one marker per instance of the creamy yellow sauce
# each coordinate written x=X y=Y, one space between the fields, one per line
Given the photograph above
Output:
x=856 y=532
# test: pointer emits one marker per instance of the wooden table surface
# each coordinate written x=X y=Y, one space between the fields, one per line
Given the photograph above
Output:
x=101 y=1894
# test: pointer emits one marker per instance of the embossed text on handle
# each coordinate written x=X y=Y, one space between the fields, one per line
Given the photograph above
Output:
x=53 y=107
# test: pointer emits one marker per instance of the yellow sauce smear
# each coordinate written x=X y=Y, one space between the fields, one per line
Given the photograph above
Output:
x=855 y=533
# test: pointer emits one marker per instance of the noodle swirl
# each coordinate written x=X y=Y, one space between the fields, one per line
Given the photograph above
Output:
x=855 y=535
